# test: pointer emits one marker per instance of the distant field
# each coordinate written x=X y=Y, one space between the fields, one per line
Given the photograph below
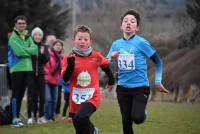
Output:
x=163 y=118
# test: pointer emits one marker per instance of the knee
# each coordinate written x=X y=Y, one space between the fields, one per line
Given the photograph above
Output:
x=47 y=98
x=79 y=120
x=139 y=119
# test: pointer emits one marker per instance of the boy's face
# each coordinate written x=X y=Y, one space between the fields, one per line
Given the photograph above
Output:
x=82 y=41
x=129 y=25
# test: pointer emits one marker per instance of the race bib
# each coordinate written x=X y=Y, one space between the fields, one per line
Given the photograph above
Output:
x=126 y=62
x=81 y=95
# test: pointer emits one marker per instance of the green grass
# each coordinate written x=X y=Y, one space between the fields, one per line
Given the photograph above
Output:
x=163 y=118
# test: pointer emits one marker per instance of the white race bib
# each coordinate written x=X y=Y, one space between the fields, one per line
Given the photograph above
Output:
x=126 y=62
x=81 y=95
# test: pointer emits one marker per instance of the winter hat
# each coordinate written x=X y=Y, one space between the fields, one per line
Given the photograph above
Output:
x=37 y=30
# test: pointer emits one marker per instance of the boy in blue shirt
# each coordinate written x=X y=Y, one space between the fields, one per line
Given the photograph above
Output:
x=131 y=53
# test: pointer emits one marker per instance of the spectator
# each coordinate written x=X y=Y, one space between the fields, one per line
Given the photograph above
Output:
x=21 y=48
x=52 y=76
x=36 y=91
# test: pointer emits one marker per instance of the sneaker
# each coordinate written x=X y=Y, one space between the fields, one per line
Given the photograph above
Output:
x=58 y=115
x=96 y=131
x=30 y=121
x=50 y=121
x=17 y=123
x=64 y=117
x=41 y=120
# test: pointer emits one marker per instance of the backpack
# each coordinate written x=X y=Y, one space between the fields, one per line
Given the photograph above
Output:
x=5 y=116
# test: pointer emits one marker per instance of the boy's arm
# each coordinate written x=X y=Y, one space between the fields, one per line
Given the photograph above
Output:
x=158 y=68
x=158 y=72
x=68 y=67
x=109 y=73
x=111 y=78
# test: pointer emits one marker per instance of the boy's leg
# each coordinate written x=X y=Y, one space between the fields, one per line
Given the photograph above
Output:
x=81 y=120
x=125 y=104
x=58 y=99
x=139 y=107
x=66 y=98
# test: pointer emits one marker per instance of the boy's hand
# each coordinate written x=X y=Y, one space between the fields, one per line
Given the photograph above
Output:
x=71 y=54
x=71 y=58
x=114 y=55
x=162 y=88
x=109 y=87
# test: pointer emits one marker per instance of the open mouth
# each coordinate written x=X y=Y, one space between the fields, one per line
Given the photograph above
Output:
x=128 y=28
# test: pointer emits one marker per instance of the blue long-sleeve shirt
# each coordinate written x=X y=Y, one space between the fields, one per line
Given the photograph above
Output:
x=132 y=64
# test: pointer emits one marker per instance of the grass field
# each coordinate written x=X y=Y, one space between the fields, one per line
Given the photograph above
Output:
x=163 y=118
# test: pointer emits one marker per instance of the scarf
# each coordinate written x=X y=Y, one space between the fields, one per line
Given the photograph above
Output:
x=82 y=53
x=21 y=34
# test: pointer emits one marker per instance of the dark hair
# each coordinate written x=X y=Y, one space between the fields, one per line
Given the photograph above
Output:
x=82 y=28
x=134 y=13
x=20 y=17
x=60 y=41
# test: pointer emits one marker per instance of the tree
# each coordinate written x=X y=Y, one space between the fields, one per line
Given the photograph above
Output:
x=193 y=10
x=46 y=14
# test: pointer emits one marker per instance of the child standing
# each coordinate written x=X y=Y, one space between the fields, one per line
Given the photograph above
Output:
x=133 y=89
x=65 y=86
x=52 y=75
x=80 y=67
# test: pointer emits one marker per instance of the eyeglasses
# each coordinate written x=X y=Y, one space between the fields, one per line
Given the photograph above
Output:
x=21 y=23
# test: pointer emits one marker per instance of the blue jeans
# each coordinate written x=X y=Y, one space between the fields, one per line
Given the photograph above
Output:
x=50 y=100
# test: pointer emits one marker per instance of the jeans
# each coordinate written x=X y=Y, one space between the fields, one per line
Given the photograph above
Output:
x=50 y=100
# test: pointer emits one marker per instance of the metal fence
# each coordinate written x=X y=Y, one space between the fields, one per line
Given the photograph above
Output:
x=4 y=92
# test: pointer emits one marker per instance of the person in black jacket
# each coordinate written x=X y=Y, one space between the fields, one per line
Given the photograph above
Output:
x=38 y=85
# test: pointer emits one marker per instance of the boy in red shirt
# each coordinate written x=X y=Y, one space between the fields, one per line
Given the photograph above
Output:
x=80 y=67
